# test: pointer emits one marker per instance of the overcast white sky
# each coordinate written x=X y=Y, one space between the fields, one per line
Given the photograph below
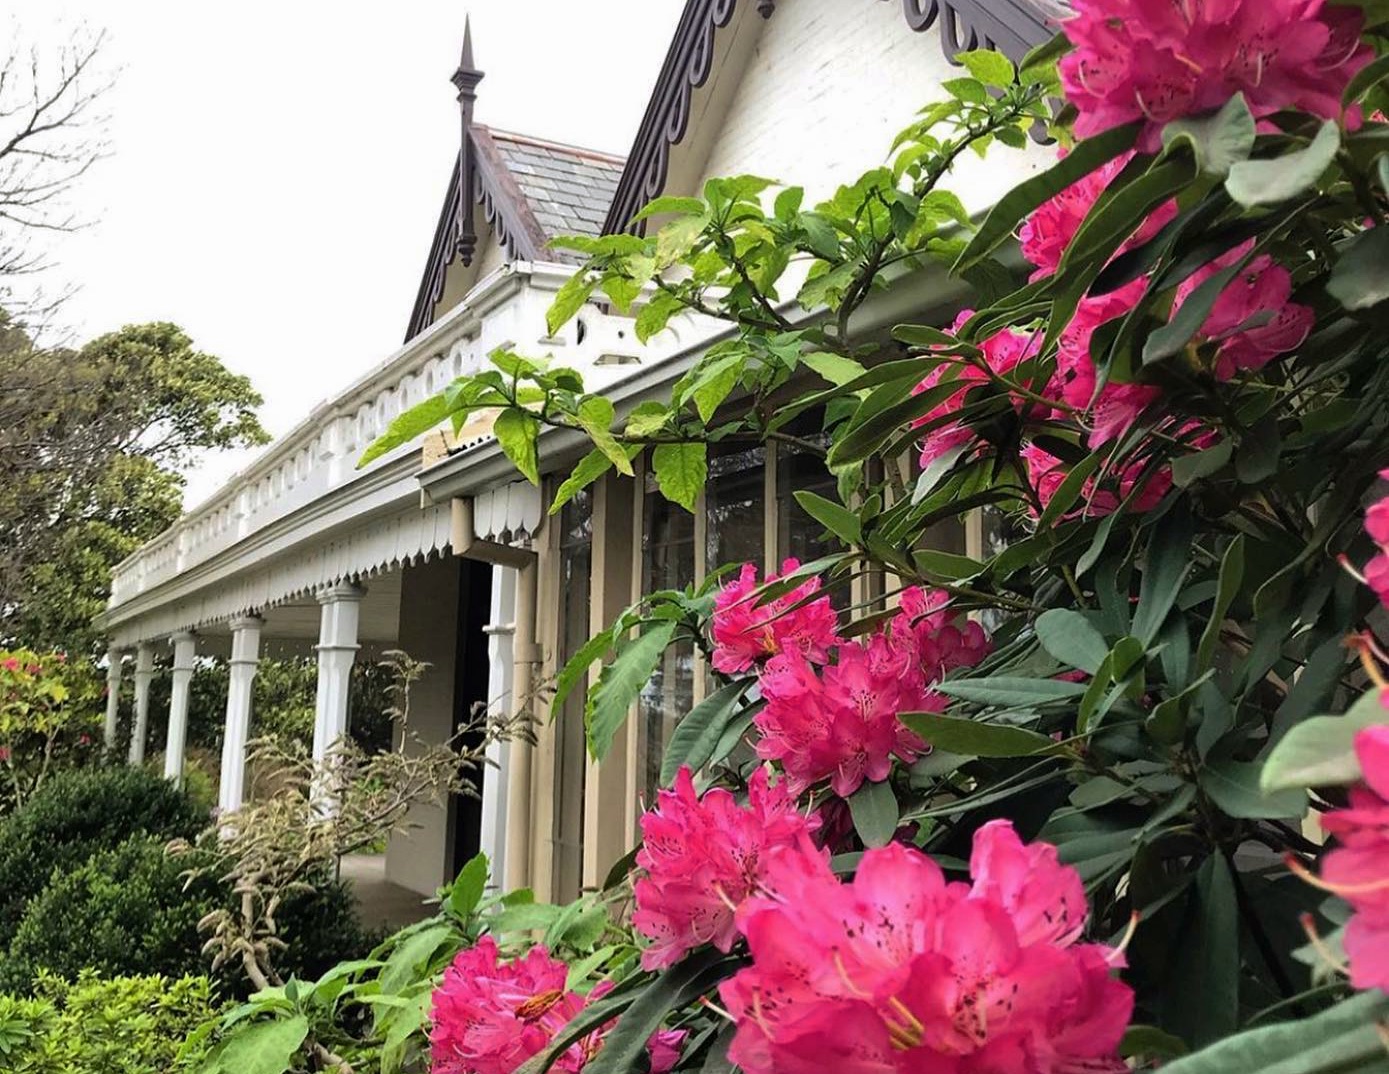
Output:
x=278 y=166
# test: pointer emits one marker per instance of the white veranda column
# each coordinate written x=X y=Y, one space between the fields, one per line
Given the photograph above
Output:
x=245 y=652
x=337 y=649
x=140 y=720
x=114 y=660
x=501 y=629
x=185 y=646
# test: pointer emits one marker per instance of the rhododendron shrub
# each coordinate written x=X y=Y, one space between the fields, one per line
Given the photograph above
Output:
x=1020 y=774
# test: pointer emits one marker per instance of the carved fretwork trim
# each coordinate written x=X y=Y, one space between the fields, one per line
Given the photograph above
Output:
x=1011 y=26
x=491 y=186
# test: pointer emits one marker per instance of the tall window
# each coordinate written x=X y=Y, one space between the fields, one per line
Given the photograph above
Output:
x=575 y=572
x=668 y=562
x=735 y=508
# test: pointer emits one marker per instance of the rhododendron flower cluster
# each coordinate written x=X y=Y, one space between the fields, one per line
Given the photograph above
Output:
x=703 y=857
x=1358 y=869
x=841 y=723
x=1156 y=60
x=900 y=971
x=747 y=632
x=490 y=1016
x=1001 y=352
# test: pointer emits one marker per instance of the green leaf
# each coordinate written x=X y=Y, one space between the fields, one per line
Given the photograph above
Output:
x=1068 y=636
x=625 y=1045
x=1320 y=752
x=264 y=1047
x=1165 y=569
x=788 y=203
x=695 y=737
x=589 y=469
x=681 y=470
x=596 y=415
x=647 y=419
x=976 y=739
x=517 y=432
x=577 y=667
x=656 y=314
x=1365 y=79
x=1187 y=469
x=1203 y=1003
x=966 y=89
x=714 y=382
x=1003 y=691
x=466 y=890
x=1234 y=787
x=873 y=808
x=668 y=203
x=1219 y=140
x=1070 y=489
x=1360 y=277
x=406 y=961
x=419 y=419
x=569 y=299
x=991 y=68
x=618 y=685
x=1276 y=179
x=678 y=238
x=1003 y=219
x=1231 y=575
x=1150 y=1042
x=1342 y=1040
x=836 y=518
x=835 y=368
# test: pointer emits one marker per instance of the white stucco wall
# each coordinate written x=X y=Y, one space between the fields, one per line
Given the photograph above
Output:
x=827 y=87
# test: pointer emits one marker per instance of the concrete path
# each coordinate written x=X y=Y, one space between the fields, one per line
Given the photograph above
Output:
x=381 y=903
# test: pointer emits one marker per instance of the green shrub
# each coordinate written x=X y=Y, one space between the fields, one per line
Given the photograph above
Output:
x=125 y=911
x=76 y=814
x=118 y=1025
x=131 y=910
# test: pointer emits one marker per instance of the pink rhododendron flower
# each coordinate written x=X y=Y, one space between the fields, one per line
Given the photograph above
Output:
x=1045 y=473
x=1252 y=321
x=704 y=856
x=936 y=640
x=1047 y=233
x=1359 y=868
x=1158 y=61
x=900 y=972
x=1002 y=351
x=490 y=1016
x=841 y=726
x=746 y=632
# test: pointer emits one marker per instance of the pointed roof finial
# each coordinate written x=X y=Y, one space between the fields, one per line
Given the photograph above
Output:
x=467 y=76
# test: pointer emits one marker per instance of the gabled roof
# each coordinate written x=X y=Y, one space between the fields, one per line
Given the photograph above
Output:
x=530 y=191
x=1011 y=26
x=567 y=189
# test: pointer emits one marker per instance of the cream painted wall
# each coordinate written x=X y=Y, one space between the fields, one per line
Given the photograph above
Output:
x=428 y=631
x=827 y=87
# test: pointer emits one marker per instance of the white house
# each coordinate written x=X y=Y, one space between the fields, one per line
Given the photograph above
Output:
x=447 y=554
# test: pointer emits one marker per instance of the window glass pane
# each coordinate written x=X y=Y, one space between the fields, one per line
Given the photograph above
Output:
x=799 y=535
x=667 y=563
x=575 y=571
x=735 y=504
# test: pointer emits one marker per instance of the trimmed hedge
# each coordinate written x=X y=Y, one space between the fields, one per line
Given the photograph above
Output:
x=124 y=911
x=77 y=814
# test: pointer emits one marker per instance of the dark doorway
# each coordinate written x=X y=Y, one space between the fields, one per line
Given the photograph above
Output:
x=470 y=691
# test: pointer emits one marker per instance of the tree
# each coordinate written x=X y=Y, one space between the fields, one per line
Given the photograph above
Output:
x=51 y=133
x=93 y=443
